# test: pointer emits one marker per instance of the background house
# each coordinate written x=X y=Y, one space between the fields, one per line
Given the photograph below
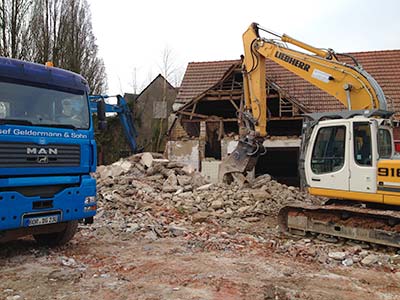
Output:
x=151 y=111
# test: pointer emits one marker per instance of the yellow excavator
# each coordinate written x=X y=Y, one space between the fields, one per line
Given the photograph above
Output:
x=347 y=156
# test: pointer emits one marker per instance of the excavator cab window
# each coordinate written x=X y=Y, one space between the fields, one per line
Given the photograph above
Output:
x=384 y=143
x=329 y=149
x=362 y=144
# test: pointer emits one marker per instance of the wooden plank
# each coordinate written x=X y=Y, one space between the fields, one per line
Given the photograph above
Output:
x=285 y=118
x=234 y=105
x=224 y=92
x=186 y=113
x=210 y=120
x=193 y=109
x=221 y=98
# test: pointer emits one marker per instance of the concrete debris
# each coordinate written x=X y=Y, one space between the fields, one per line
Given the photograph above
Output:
x=204 y=187
x=217 y=204
x=348 y=262
x=147 y=159
x=68 y=262
x=188 y=170
x=337 y=255
x=200 y=217
x=15 y=297
x=148 y=196
x=151 y=186
x=369 y=260
x=154 y=194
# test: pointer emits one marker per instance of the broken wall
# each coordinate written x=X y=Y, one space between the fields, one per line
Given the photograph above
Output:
x=187 y=152
x=213 y=119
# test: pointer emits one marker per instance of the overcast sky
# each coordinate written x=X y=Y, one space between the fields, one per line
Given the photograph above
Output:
x=132 y=35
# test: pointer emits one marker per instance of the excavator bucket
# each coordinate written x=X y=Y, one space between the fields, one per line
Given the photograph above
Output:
x=240 y=161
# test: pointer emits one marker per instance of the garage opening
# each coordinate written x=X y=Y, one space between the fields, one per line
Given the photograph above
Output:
x=290 y=127
x=281 y=164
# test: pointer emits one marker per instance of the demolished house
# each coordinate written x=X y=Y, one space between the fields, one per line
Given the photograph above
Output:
x=206 y=127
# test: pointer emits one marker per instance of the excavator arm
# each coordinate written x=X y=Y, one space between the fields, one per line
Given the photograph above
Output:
x=351 y=85
x=124 y=114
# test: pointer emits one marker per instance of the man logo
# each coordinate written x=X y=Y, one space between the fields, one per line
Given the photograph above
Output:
x=41 y=151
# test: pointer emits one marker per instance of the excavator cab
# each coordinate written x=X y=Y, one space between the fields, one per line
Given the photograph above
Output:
x=343 y=155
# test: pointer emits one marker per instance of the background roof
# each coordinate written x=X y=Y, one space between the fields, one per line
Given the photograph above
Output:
x=384 y=66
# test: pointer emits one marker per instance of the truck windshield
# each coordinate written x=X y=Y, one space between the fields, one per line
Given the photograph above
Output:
x=31 y=105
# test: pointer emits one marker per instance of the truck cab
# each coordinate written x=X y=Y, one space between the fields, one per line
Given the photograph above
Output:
x=47 y=152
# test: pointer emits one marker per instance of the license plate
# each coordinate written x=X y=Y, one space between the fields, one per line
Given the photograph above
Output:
x=41 y=221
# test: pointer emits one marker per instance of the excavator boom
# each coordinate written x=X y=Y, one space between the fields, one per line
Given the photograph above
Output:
x=350 y=85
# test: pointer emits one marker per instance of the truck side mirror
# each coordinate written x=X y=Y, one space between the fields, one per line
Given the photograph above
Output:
x=101 y=114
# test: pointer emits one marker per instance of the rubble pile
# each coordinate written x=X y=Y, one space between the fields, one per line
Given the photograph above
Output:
x=147 y=196
x=342 y=253
x=148 y=193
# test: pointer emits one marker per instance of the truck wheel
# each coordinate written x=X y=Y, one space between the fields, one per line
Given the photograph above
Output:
x=58 y=238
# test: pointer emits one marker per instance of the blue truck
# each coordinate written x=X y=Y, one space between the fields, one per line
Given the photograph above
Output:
x=47 y=152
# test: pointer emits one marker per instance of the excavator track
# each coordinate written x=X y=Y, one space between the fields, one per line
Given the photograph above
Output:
x=355 y=223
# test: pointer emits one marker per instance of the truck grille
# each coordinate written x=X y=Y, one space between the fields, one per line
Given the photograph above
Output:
x=31 y=155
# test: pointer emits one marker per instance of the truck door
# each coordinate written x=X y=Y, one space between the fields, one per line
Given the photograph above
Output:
x=327 y=164
x=363 y=160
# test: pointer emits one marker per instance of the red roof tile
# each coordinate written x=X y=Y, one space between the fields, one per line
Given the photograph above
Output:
x=384 y=66
x=200 y=76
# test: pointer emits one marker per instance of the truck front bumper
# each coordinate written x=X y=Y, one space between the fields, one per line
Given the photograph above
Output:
x=74 y=202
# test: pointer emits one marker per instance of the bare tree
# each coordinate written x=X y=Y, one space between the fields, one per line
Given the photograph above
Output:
x=150 y=77
x=52 y=30
x=134 y=83
x=79 y=44
x=14 y=28
x=169 y=68
x=46 y=28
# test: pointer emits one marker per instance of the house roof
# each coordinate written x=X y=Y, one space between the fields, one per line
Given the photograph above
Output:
x=129 y=97
x=159 y=76
x=384 y=66
x=200 y=76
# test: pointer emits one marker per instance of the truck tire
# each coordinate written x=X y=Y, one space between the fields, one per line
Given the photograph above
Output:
x=57 y=238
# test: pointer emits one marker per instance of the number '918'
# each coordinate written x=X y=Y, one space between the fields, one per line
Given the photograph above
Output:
x=389 y=172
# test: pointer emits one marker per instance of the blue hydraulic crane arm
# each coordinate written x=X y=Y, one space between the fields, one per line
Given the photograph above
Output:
x=124 y=114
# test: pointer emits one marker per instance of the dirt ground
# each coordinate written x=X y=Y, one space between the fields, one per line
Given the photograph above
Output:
x=161 y=232
x=99 y=264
